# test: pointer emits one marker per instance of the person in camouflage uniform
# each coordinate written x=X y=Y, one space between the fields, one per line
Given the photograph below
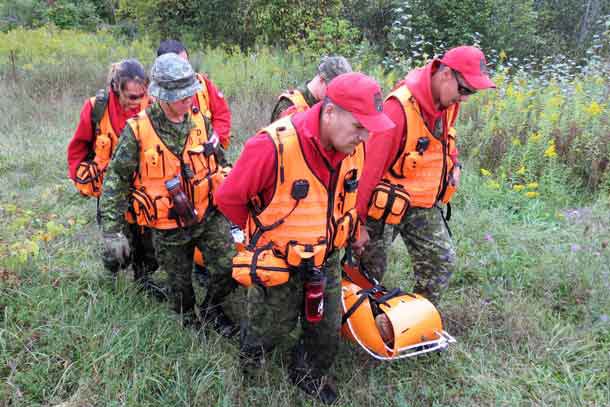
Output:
x=104 y=116
x=173 y=84
x=413 y=169
x=294 y=185
x=312 y=92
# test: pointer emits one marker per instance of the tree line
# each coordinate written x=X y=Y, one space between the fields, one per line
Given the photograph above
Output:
x=389 y=28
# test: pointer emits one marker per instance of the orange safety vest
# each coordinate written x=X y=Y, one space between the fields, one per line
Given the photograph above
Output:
x=151 y=202
x=203 y=97
x=321 y=220
x=297 y=99
x=423 y=166
x=90 y=174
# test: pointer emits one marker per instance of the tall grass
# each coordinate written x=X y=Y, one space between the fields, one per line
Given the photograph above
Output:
x=528 y=304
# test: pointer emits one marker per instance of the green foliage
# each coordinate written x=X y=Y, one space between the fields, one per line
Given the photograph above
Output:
x=286 y=22
x=21 y=13
x=50 y=59
x=529 y=132
x=373 y=18
x=332 y=37
x=68 y=14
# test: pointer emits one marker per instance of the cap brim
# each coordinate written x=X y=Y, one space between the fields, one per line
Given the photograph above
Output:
x=478 y=82
x=173 y=95
x=375 y=123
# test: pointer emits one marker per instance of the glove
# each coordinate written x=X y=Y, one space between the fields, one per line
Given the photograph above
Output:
x=116 y=250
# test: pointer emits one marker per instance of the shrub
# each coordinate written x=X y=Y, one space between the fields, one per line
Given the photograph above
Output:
x=48 y=59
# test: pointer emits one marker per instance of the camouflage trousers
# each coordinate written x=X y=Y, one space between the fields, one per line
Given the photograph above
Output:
x=428 y=242
x=175 y=249
x=272 y=313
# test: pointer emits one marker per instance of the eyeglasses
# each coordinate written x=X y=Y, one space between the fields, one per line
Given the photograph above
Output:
x=462 y=90
x=135 y=97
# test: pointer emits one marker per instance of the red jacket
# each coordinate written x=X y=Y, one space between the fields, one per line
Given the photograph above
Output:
x=255 y=170
x=82 y=141
x=383 y=148
x=221 y=115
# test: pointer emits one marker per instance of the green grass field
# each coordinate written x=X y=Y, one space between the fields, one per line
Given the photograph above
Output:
x=529 y=304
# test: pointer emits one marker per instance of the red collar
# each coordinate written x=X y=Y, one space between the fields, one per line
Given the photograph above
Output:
x=419 y=83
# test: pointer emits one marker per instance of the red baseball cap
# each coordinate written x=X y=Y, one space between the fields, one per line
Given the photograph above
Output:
x=361 y=96
x=470 y=62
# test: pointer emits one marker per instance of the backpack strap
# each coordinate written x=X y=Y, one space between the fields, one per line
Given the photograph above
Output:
x=99 y=107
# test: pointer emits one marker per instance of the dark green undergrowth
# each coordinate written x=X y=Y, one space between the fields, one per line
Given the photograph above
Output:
x=529 y=303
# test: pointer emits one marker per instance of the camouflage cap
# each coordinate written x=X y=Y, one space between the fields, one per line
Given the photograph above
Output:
x=172 y=78
x=331 y=66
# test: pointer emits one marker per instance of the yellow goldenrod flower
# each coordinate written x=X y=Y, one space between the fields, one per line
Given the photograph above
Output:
x=521 y=171
x=531 y=194
x=493 y=184
x=516 y=142
x=502 y=56
x=485 y=173
x=578 y=87
x=556 y=101
x=532 y=185
x=594 y=109
x=536 y=137
x=550 y=152
x=518 y=187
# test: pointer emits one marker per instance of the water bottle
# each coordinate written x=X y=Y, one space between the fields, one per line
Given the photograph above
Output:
x=238 y=237
x=314 y=295
x=187 y=215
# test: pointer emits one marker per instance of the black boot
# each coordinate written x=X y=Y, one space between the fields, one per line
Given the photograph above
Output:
x=213 y=316
x=202 y=275
x=320 y=387
x=190 y=320
x=149 y=287
x=142 y=276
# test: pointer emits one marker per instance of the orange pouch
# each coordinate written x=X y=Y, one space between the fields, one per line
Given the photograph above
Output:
x=296 y=253
x=103 y=149
x=143 y=207
x=261 y=267
x=389 y=202
x=346 y=228
x=88 y=179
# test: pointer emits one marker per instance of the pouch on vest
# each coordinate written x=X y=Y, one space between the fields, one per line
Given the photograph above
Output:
x=154 y=163
x=389 y=202
x=346 y=228
x=261 y=267
x=143 y=207
x=407 y=164
x=201 y=190
x=199 y=160
x=297 y=253
x=103 y=149
x=88 y=179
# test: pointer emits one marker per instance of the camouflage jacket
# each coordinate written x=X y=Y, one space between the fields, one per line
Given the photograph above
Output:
x=125 y=162
x=283 y=103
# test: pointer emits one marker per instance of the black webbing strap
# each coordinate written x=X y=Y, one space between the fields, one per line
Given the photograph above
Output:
x=98 y=212
x=445 y=219
x=364 y=294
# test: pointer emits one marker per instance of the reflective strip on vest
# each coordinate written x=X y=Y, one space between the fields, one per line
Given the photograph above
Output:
x=310 y=221
x=423 y=174
x=150 y=199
